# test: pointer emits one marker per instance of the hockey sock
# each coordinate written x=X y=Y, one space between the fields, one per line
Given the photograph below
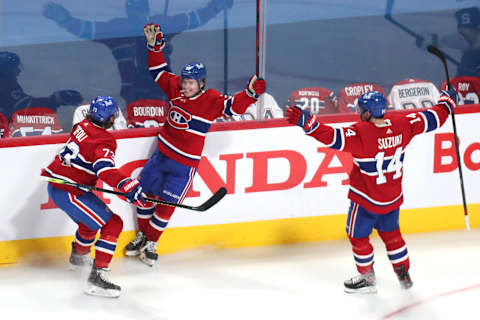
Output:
x=84 y=238
x=106 y=244
x=158 y=222
x=362 y=253
x=143 y=217
x=396 y=248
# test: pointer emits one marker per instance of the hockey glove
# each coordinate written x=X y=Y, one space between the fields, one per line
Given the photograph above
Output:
x=154 y=35
x=449 y=98
x=57 y=13
x=255 y=87
x=302 y=118
x=133 y=191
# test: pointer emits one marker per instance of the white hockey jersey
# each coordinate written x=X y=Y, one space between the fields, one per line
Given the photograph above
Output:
x=81 y=112
x=413 y=94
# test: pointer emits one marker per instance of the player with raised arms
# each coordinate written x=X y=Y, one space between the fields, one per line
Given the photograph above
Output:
x=169 y=172
x=377 y=144
x=89 y=154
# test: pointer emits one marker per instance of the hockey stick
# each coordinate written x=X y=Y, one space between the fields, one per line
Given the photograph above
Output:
x=216 y=197
x=435 y=51
x=388 y=16
x=257 y=47
x=225 y=51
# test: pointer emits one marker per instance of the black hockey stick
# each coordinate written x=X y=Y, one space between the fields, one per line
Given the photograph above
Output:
x=419 y=38
x=434 y=50
x=216 y=197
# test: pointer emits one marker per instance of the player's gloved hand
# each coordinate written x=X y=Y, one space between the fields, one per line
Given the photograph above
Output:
x=66 y=98
x=218 y=5
x=449 y=98
x=133 y=191
x=57 y=13
x=255 y=87
x=302 y=118
x=154 y=35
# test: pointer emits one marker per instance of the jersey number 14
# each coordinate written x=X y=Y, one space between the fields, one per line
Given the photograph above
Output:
x=394 y=164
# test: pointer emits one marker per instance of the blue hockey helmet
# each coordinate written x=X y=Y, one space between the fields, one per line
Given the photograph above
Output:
x=373 y=101
x=194 y=70
x=102 y=108
x=9 y=63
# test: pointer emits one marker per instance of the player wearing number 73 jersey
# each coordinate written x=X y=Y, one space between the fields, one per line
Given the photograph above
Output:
x=89 y=154
x=377 y=144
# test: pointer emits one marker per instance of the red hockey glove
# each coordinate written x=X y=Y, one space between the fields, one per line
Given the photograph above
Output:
x=255 y=87
x=133 y=191
x=301 y=118
x=154 y=37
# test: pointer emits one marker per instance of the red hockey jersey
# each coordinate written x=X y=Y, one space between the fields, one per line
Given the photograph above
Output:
x=34 y=121
x=316 y=100
x=468 y=89
x=347 y=99
x=88 y=154
x=146 y=113
x=378 y=153
x=188 y=119
x=4 y=127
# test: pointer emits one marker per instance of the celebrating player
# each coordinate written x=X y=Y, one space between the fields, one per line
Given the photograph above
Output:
x=377 y=144
x=88 y=155
x=170 y=171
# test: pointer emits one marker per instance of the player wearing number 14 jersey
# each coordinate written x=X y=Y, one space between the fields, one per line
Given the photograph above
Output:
x=377 y=144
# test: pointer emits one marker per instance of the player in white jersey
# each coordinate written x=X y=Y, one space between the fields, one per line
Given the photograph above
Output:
x=413 y=94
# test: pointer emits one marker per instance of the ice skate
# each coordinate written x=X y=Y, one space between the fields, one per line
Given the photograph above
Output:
x=403 y=277
x=133 y=248
x=363 y=283
x=99 y=285
x=79 y=260
x=148 y=253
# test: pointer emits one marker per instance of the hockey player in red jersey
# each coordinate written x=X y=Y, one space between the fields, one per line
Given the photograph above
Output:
x=169 y=172
x=88 y=155
x=377 y=144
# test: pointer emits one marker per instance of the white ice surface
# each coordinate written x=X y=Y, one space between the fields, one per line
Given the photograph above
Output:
x=303 y=281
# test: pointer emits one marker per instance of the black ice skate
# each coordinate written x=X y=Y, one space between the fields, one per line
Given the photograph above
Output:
x=363 y=283
x=79 y=260
x=133 y=248
x=148 y=253
x=99 y=285
x=403 y=277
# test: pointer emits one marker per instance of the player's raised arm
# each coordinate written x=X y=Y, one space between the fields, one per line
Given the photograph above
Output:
x=433 y=118
x=239 y=103
x=157 y=65
x=335 y=138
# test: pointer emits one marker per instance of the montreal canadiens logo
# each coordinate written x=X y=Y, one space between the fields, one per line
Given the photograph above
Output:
x=178 y=118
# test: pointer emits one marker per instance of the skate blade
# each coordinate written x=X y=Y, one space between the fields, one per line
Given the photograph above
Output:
x=100 y=292
x=365 y=290
x=148 y=262
x=132 y=253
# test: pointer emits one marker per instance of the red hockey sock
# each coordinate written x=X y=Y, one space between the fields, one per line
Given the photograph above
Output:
x=158 y=222
x=362 y=253
x=84 y=238
x=143 y=217
x=107 y=243
x=396 y=248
